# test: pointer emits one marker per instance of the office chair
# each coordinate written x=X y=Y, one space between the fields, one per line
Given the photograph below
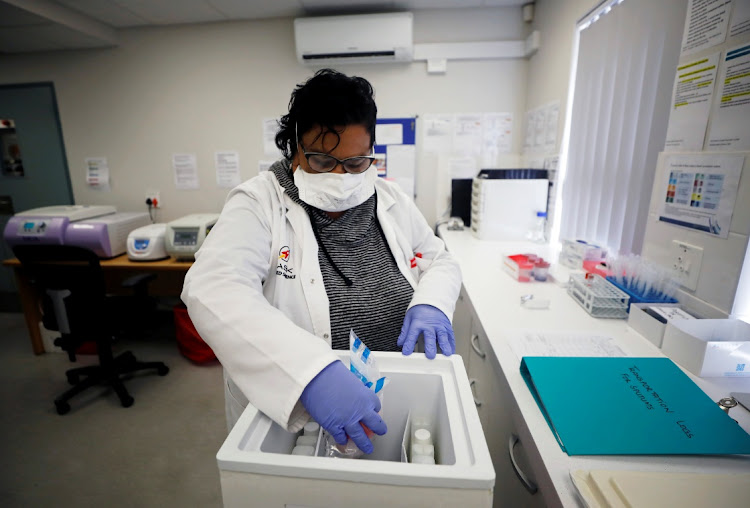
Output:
x=71 y=285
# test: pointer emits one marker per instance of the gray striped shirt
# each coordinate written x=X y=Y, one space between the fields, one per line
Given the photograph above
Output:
x=375 y=304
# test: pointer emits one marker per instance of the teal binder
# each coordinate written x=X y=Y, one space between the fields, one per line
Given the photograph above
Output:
x=629 y=406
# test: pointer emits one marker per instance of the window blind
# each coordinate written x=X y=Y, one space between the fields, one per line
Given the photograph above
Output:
x=624 y=72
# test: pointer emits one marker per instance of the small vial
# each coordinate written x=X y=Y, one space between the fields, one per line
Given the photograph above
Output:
x=428 y=450
x=421 y=422
x=541 y=269
x=307 y=441
x=303 y=450
x=311 y=429
x=423 y=437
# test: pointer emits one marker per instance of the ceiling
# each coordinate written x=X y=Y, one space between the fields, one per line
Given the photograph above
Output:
x=44 y=25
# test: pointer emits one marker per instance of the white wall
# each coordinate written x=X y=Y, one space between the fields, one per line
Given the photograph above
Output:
x=548 y=75
x=723 y=259
x=202 y=88
x=549 y=68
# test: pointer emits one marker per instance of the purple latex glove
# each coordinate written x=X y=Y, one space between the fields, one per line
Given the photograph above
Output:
x=339 y=402
x=433 y=324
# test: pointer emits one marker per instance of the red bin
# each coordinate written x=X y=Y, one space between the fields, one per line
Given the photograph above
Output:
x=189 y=342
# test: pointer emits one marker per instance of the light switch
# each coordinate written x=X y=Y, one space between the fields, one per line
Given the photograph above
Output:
x=686 y=263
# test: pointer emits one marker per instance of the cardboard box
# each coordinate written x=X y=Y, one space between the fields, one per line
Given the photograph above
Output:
x=709 y=347
x=647 y=325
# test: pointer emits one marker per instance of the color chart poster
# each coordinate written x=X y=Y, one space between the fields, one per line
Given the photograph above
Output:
x=700 y=192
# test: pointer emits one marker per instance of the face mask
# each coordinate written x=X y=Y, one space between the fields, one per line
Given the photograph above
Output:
x=335 y=192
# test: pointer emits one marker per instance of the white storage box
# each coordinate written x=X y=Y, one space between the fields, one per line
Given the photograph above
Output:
x=256 y=467
x=709 y=347
x=647 y=325
x=505 y=209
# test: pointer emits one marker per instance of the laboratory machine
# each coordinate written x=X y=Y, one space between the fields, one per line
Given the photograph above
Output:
x=259 y=467
x=47 y=225
x=107 y=235
x=505 y=203
x=185 y=235
x=147 y=243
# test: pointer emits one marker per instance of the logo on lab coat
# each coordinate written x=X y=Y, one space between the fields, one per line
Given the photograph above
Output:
x=282 y=268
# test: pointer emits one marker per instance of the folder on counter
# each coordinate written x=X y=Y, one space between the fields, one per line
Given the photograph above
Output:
x=629 y=406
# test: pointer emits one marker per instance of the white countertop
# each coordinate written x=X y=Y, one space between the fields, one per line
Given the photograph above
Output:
x=495 y=297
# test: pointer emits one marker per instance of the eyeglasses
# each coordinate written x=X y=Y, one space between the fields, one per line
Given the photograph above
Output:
x=324 y=163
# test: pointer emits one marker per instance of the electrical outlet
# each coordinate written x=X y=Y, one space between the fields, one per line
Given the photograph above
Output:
x=686 y=263
x=153 y=195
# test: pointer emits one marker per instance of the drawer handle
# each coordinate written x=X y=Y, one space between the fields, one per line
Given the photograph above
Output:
x=475 y=347
x=530 y=486
x=472 y=382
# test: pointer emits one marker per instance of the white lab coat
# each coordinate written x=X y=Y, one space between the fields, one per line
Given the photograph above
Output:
x=255 y=292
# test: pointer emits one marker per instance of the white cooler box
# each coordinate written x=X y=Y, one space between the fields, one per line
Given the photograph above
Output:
x=257 y=468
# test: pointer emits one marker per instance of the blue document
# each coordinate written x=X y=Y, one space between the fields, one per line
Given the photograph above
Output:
x=629 y=406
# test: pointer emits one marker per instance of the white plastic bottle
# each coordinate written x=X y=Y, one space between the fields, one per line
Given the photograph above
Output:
x=537 y=231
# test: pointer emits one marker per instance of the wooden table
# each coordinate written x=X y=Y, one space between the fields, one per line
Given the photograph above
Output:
x=170 y=276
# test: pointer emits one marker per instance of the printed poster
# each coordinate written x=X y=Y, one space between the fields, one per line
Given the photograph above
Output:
x=730 y=121
x=700 y=192
x=185 y=167
x=706 y=25
x=691 y=104
x=97 y=173
x=227 y=169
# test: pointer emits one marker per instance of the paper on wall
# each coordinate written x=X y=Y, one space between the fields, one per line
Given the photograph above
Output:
x=270 y=128
x=497 y=132
x=97 y=173
x=380 y=164
x=691 y=104
x=740 y=22
x=528 y=142
x=401 y=160
x=730 y=121
x=227 y=169
x=389 y=134
x=406 y=184
x=540 y=123
x=550 y=128
x=467 y=134
x=437 y=131
x=706 y=24
x=700 y=191
x=463 y=167
x=185 y=170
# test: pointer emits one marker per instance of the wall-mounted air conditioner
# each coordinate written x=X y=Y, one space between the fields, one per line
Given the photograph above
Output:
x=366 y=38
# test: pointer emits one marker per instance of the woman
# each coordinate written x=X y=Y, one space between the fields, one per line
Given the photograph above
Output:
x=316 y=246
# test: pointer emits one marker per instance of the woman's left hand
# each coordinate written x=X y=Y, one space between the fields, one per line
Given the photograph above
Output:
x=433 y=325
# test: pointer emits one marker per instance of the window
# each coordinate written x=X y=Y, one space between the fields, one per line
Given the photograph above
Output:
x=618 y=111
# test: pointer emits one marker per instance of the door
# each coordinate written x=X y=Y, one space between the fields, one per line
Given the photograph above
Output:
x=42 y=178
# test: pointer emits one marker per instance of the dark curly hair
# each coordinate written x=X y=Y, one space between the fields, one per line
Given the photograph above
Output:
x=329 y=99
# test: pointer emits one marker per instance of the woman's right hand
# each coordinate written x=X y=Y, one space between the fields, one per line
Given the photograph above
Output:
x=340 y=403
